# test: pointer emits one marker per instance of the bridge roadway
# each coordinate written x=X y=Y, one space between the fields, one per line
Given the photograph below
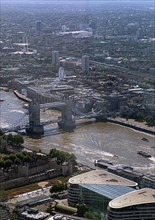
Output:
x=77 y=115
x=52 y=105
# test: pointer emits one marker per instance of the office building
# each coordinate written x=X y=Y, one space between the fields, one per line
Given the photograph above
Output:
x=137 y=205
x=55 y=58
x=61 y=73
x=38 y=26
x=85 y=63
x=98 y=188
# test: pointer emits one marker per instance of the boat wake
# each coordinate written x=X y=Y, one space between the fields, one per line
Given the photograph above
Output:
x=152 y=159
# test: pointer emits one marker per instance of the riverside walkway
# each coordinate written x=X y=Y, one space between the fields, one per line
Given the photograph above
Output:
x=135 y=126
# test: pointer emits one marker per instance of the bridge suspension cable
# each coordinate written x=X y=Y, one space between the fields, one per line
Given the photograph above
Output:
x=93 y=113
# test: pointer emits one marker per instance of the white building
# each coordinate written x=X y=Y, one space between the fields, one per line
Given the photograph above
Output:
x=61 y=73
x=64 y=28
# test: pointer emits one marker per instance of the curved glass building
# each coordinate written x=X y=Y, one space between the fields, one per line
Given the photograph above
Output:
x=137 y=205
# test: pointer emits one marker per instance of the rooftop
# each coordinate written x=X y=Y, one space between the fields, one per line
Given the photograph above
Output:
x=64 y=217
x=34 y=201
x=142 y=196
x=101 y=177
x=38 y=215
x=108 y=191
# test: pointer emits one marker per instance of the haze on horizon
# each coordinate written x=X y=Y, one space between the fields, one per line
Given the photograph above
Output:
x=140 y=3
x=86 y=1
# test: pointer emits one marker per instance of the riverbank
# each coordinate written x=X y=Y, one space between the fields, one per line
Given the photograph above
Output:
x=139 y=126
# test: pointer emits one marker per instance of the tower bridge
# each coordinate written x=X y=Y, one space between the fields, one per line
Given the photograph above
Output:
x=69 y=114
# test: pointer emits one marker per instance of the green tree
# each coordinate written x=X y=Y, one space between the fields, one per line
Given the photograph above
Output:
x=140 y=116
x=25 y=153
x=81 y=209
x=27 y=159
x=95 y=215
x=12 y=157
x=1 y=149
x=63 y=156
x=57 y=188
x=1 y=132
x=150 y=120
x=114 y=115
x=4 y=136
x=20 y=156
x=1 y=163
x=6 y=157
x=7 y=163
x=10 y=137
x=17 y=161
x=51 y=208
x=18 y=139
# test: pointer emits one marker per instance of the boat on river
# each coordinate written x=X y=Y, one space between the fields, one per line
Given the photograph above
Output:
x=145 y=139
x=143 y=153
x=102 y=163
x=26 y=106
x=1 y=100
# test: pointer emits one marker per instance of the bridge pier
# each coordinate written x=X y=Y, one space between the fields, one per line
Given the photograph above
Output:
x=67 y=123
x=34 y=120
x=36 y=130
x=101 y=119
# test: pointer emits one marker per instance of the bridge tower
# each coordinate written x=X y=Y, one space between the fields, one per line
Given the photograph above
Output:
x=102 y=105
x=67 y=123
x=34 y=119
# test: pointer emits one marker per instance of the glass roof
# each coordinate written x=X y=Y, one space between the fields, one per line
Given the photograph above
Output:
x=109 y=191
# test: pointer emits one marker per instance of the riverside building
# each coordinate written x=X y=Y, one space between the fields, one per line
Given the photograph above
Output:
x=98 y=188
x=137 y=205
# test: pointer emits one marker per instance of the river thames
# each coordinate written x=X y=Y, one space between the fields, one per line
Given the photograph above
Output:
x=88 y=142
